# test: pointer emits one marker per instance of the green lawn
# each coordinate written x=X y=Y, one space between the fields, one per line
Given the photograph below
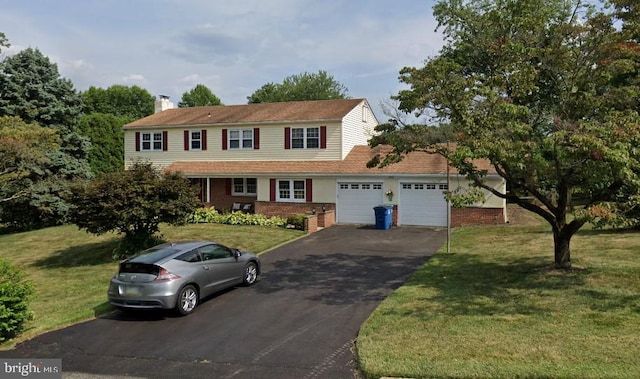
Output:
x=493 y=309
x=71 y=269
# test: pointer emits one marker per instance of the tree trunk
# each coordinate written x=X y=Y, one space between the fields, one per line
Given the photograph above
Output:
x=562 y=253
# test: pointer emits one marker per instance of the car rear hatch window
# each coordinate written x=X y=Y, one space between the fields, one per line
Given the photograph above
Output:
x=135 y=272
x=154 y=255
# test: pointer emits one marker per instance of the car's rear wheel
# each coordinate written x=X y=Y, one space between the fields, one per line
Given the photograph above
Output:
x=187 y=300
x=250 y=274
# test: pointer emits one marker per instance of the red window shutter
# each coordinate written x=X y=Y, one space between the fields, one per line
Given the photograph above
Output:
x=309 y=190
x=137 y=141
x=165 y=141
x=256 y=138
x=203 y=135
x=186 y=140
x=323 y=137
x=272 y=190
x=227 y=186
x=224 y=139
x=287 y=138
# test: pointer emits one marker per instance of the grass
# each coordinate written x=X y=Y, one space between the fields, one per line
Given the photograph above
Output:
x=493 y=309
x=71 y=268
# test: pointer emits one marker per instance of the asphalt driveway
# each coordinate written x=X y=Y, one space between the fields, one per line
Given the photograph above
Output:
x=299 y=321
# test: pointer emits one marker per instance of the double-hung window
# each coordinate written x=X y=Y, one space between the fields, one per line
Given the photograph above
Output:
x=245 y=186
x=291 y=190
x=195 y=137
x=151 y=141
x=241 y=139
x=305 y=138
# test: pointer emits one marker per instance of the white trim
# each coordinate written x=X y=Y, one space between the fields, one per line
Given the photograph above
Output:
x=305 y=137
x=292 y=191
x=152 y=141
x=241 y=139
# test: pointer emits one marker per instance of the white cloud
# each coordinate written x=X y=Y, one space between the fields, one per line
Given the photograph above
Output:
x=233 y=48
x=133 y=78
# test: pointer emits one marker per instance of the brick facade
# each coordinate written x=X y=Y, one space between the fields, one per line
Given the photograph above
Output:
x=477 y=216
x=284 y=209
x=221 y=200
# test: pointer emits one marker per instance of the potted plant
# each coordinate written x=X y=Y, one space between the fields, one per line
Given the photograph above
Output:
x=389 y=195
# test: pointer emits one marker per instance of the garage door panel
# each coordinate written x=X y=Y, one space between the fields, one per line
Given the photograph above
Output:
x=356 y=202
x=422 y=204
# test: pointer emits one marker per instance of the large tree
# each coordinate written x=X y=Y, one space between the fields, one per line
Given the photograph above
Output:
x=133 y=203
x=106 y=111
x=534 y=87
x=32 y=89
x=133 y=102
x=301 y=87
x=107 y=140
x=23 y=154
x=199 y=96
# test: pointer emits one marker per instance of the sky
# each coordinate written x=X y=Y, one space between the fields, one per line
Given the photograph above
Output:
x=233 y=47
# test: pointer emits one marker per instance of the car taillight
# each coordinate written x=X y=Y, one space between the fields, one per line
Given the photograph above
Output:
x=164 y=275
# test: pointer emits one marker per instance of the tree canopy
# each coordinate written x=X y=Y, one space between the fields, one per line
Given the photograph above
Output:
x=133 y=203
x=546 y=90
x=23 y=152
x=301 y=87
x=4 y=42
x=118 y=100
x=107 y=139
x=199 y=96
x=106 y=111
x=31 y=89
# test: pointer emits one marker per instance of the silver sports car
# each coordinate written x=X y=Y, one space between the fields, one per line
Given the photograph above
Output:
x=178 y=275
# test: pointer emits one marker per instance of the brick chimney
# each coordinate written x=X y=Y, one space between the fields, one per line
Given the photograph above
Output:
x=163 y=103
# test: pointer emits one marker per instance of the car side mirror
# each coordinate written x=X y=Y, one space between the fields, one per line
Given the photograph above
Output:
x=236 y=253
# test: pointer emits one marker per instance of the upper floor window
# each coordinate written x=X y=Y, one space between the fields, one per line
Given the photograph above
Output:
x=241 y=139
x=245 y=186
x=196 y=140
x=151 y=141
x=305 y=138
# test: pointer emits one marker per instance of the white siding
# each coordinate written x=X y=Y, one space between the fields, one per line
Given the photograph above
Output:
x=271 y=146
x=356 y=129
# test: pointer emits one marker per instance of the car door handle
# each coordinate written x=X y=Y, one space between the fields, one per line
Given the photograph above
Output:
x=205 y=267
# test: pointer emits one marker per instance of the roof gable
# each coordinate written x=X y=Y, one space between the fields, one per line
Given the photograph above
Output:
x=296 y=111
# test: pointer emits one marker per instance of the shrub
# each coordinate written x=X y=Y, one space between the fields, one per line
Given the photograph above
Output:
x=133 y=203
x=15 y=292
x=210 y=216
x=297 y=221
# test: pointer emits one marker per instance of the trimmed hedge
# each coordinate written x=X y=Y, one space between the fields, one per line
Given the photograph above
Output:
x=15 y=292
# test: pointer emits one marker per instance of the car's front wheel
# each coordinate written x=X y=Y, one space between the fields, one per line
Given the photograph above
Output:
x=187 y=300
x=250 y=274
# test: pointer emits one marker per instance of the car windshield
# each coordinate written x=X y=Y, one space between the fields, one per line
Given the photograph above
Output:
x=154 y=254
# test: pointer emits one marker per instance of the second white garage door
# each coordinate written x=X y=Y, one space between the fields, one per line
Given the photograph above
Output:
x=422 y=204
x=356 y=201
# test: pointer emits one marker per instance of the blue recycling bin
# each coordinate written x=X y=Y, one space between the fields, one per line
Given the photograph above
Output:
x=384 y=216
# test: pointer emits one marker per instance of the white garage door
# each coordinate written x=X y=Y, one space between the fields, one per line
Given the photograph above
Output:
x=356 y=202
x=422 y=204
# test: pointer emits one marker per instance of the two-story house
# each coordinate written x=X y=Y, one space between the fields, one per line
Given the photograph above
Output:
x=299 y=157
